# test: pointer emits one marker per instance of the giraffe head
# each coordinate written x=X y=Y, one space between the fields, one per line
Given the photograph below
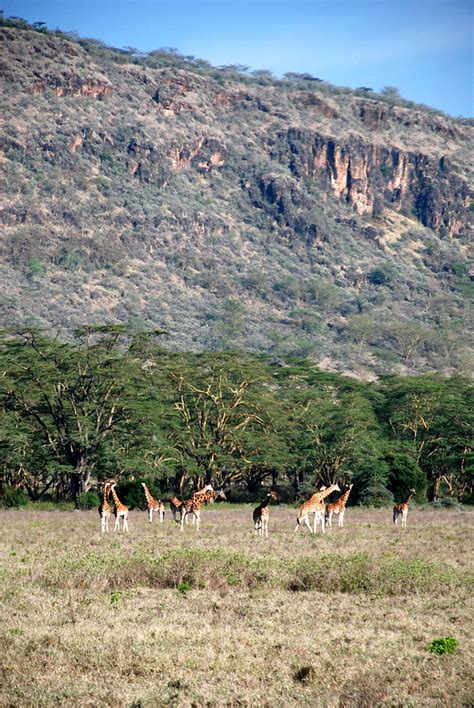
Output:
x=413 y=491
x=220 y=494
x=272 y=494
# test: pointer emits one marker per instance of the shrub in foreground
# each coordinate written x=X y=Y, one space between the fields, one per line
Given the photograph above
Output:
x=217 y=569
x=443 y=645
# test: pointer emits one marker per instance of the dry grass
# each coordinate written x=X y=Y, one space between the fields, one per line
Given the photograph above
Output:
x=159 y=617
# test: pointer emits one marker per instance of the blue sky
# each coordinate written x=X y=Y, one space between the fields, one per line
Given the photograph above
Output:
x=423 y=47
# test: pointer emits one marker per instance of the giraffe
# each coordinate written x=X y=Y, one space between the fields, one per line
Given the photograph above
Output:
x=402 y=509
x=338 y=507
x=176 y=505
x=120 y=510
x=193 y=505
x=153 y=505
x=104 y=509
x=315 y=505
x=261 y=514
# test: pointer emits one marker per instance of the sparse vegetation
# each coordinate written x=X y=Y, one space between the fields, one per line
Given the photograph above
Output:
x=223 y=616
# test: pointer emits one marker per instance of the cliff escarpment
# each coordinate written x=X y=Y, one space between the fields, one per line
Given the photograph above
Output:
x=233 y=210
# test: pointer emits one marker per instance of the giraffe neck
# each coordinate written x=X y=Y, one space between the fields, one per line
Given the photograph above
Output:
x=149 y=498
x=319 y=496
x=344 y=498
x=407 y=501
x=117 y=501
x=265 y=502
x=105 y=503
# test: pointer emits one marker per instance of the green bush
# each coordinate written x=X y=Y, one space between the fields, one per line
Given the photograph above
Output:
x=89 y=500
x=184 y=587
x=446 y=503
x=34 y=269
x=14 y=498
x=131 y=493
x=443 y=645
x=115 y=598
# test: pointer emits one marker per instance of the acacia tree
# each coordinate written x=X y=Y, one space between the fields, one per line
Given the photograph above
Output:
x=334 y=434
x=434 y=417
x=219 y=426
x=69 y=397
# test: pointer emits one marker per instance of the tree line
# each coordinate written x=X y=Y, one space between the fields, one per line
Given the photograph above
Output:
x=112 y=402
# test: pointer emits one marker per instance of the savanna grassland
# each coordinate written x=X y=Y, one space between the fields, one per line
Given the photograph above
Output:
x=222 y=617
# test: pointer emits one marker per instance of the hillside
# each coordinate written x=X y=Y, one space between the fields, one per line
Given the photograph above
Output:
x=235 y=211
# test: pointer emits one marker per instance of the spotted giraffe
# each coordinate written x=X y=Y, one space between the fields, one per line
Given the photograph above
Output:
x=153 y=505
x=402 y=509
x=120 y=510
x=315 y=505
x=261 y=514
x=176 y=505
x=105 y=509
x=193 y=505
x=338 y=507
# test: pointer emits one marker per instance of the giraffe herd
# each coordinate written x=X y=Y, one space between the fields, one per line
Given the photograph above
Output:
x=190 y=509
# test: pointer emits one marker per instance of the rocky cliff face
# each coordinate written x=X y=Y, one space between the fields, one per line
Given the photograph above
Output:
x=366 y=176
x=218 y=205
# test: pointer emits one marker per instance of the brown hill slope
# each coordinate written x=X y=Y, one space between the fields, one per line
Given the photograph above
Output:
x=232 y=210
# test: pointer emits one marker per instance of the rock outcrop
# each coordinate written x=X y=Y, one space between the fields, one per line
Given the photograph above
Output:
x=365 y=175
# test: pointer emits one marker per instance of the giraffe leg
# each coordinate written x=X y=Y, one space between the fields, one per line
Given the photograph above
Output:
x=117 y=524
x=329 y=518
x=297 y=523
x=150 y=515
x=341 y=519
x=197 y=514
x=125 y=523
x=323 y=525
x=306 y=520
x=183 y=516
x=266 y=527
x=162 y=516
